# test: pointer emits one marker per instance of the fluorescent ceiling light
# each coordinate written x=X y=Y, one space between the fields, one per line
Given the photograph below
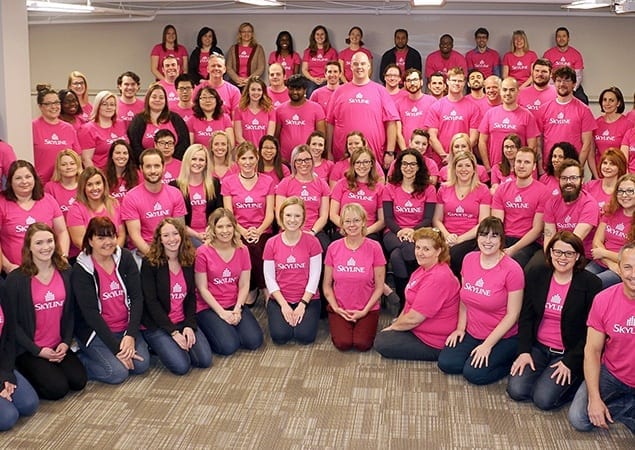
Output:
x=262 y=2
x=588 y=4
x=46 y=6
x=427 y=2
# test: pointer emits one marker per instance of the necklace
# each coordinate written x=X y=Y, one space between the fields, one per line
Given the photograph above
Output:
x=248 y=178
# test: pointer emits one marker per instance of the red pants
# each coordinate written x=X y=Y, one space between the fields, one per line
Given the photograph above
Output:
x=359 y=335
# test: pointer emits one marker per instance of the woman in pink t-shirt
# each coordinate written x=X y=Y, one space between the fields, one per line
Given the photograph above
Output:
x=292 y=268
x=63 y=185
x=354 y=273
x=462 y=202
x=485 y=342
x=285 y=55
x=432 y=304
x=612 y=166
x=558 y=153
x=317 y=145
x=167 y=280
x=517 y=63
x=318 y=53
x=208 y=117
x=221 y=161
x=40 y=290
x=461 y=143
x=169 y=46
x=121 y=170
x=504 y=171
x=78 y=83
x=24 y=202
x=552 y=325
x=270 y=160
x=254 y=117
x=222 y=271
x=70 y=111
x=616 y=228
x=206 y=44
x=355 y=44
x=246 y=58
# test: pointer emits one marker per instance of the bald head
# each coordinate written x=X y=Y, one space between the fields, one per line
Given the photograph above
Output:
x=361 y=67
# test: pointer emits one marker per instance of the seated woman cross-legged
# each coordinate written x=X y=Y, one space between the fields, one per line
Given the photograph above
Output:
x=552 y=325
x=484 y=344
x=432 y=304
x=107 y=289
x=167 y=278
x=354 y=273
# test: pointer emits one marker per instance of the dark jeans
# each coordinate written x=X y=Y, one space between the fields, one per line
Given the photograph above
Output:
x=304 y=333
x=177 y=360
x=25 y=403
x=524 y=255
x=404 y=345
x=457 y=254
x=53 y=381
x=224 y=338
x=401 y=254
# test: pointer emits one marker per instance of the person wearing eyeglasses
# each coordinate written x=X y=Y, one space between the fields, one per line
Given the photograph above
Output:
x=246 y=58
x=551 y=328
x=615 y=230
x=78 y=83
x=412 y=108
x=184 y=89
x=165 y=141
x=484 y=344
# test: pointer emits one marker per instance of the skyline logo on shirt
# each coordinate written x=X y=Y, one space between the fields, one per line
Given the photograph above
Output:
x=226 y=278
x=628 y=328
x=114 y=292
x=249 y=203
x=49 y=302
x=535 y=106
x=414 y=112
x=409 y=208
x=55 y=140
x=19 y=228
x=453 y=116
x=618 y=230
x=157 y=211
x=291 y=264
x=197 y=200
x=360 y=195
x=350 y=267
x=605 y=137
x=521 y=66
x=560 y=119
x=177 y=293
x=554 y=303
x=172 y=97
x=517 y=203
x=295 y=121
x=506 y=124
x=478 y=288
x=359 y=98
x=255 y=125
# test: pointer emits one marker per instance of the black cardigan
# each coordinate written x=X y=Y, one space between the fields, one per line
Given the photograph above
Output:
x=155 y=282
x=210 y=207
x=18 y=290
x=137 y=129
x=7 y=341
x=89 y=319
x=413 y=61
x=584 y=286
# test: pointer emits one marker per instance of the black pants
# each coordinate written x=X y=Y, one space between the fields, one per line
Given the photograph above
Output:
x=52 y=381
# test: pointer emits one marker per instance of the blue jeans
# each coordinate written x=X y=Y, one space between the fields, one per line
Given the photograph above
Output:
x=304 y=333
x=102 y=365
x=617 y=396
x=538 y=386
x=225 y=339
x=177 y=360
x=456 y=360
x=608 y=277
x=25 y=403
x=404 y=345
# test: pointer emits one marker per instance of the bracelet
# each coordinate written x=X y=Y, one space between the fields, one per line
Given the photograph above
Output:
x=304 y=302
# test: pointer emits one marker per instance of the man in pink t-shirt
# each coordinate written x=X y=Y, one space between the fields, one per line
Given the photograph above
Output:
x=445 y=58
x=184 y=89
x=277 y=89
x=171 y=70
x=502 y=120
x=323 y=95
x=128 y=104
x=482 y=58
x=413 y=108
x=297 y=118
x=565 y=55
x=150 y=202
x=539 y=92
x=608 y=392
x=362 y=105
x=229 y=93
x=437 y=86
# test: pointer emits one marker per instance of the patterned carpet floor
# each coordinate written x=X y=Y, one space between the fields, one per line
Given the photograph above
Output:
x=301 y=397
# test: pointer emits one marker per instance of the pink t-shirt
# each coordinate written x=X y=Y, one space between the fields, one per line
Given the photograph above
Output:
x=630 y=116
x=312 y=192
x=203 y=60
x=629 y=142
x=485 y=293
x=288 y=62
x=79 y=215
x=296 y=124
x=484 y=62
x=564 y=123
x=549 y=333
x=533 y=99
x=340 y=167
x=400 y=59
x=180 y=52
x=112 y=299
x=91 y=135
x=7 y=156
x=322 y=96
x=48 y=141
x=594 y=188
x=618 y=225
x=369 y=199
x=127 y=111
x=272 y=174
x=570 y=57
x=14 y=221
x=346 y=56
x=244 y=53
x=551 y=182
x=520 y=66
x=151 y=130
x=48 y=303
x=222 y=276
x=412 y=113
x=178 y=292
x=292 y=264
x=365 y=108
x=435 y=62
x=434 y=294
x=481 y=172
x=566 y=216
x=608 y=135
x=119 y=190
x=199 y=206
x=171 y=172
x=229 y=93
x=185 y=113
x=278 y=98
x=317 y=63
x=408 y=209
x=172 y=95
x=354 y=272
x=249 y=205
x=64 y=197
x=450 y=118
x=519 y=205
x=324 y=169
x=150 y=208
x=613 y=314
x=498 y=123
x=460 y=216
x=254 y=126
x=203 y=128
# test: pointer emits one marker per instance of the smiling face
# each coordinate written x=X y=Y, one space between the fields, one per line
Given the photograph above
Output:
x=475 y=80
x=524 y=165
x=627 y=271
x=216 y=67
x=436 y=85
x=292 y=218
x=156 y=102
x=152 y=169
x=247 y=163
x=23 y=182
x=625 y=192
x=427 y=256
x=170 y=239
x=564 y=86
x=94 y=189
x=464 y=170
x=304 y=164
x=207 y=102
x=509 y=92
x=103 y=246
x=198 y=163
x=540 y=75
x=392 y=78
x=353 y=142
x=69 y=105
x=68 y=167
x=276 y=75
x=255 y=92
x=409 y=167
x=460 y=145
x=268 y=151
x=363 y=165
x=107 y=108
x=352 y=223
x=320 y=36
x=51 y=106
x=316 y=146
x=570 y=183
x=509 y=149
x=42 y=246
x=609 y=102
x=419 y=143
x=489 y=243
x=563 y=257
x=170 y=69
x=556 y=158
x=120 y=156
x=224 y=230
x=219 y=146
x=608 y=168
x=78 y=85
x=360 y=66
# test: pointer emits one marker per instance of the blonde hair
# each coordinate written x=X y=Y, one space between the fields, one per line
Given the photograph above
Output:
x=100 y=97
x=57 y=176
x=353 y=208
x=452 y=177
x=183 y=179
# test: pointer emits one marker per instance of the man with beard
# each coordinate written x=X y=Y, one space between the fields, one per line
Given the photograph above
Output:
x=445 y=58
x=566 y=118
x=404 y=56
x=363 y=105
x=412 y=108
x=565 y=55
x=332 y=73
x=128 y=104
x=476 y=84
x=437 y=86
x=229 y=93
x=171 y=70
x=520 y=205
x=502 y=120
x=482 y=58
x=148 y=203
x=539 y=92
x=277 y=90
x=297 y=118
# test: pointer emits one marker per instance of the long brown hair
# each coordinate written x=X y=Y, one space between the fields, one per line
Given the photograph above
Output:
x=156 y=255
x=28 y=267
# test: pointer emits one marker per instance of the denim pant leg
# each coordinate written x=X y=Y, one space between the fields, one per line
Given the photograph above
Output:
x=222 y=337
x=24 y=403
x=200 y=353
x=499 y=363
x=578 y=413
x=547 y=393
x=173 y=357
x=279 y=329
x=453 y=359
x=306 y=331
x=141 y=347
x=249 y=331
x=404 y=345
x=521 y=387
x=101 y=364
